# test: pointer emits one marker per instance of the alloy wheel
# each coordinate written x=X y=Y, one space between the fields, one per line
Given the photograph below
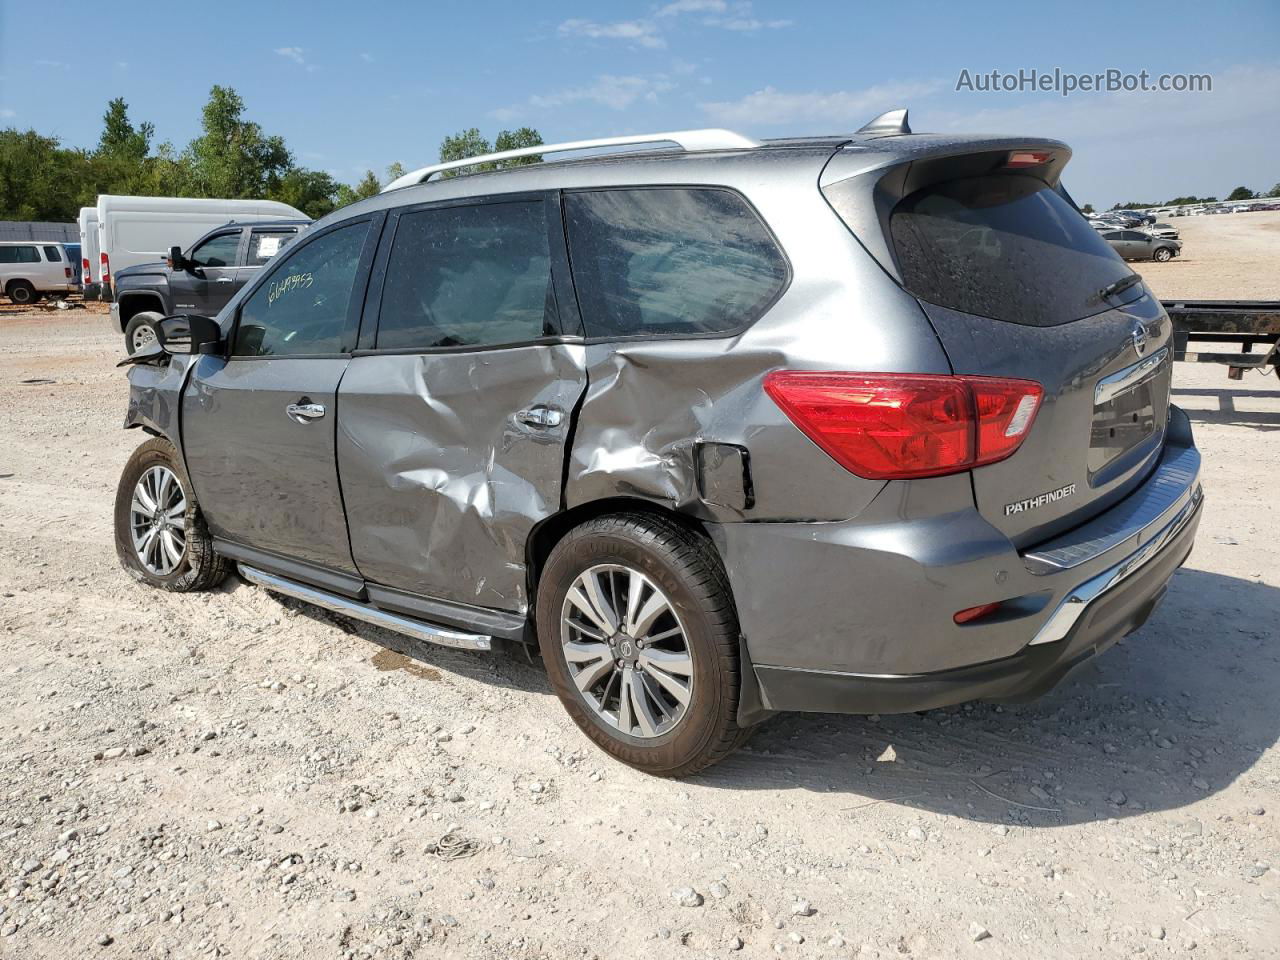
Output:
x=158 y=521
x=627 y=651
x=143 y=336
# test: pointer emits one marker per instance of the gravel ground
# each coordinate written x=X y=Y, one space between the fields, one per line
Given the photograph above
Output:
x=226 y=774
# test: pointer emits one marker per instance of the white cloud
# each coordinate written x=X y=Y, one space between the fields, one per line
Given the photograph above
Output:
x=367 y=57
x=122 y=64
x=640 y=32
x=693 y=6
x=292 y=53
x=834 y=110
x=607 y=90
x=6 y=113
x=749 y=24
x=56 y=64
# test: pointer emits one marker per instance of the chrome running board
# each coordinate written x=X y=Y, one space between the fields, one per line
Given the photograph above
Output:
x=443 y=636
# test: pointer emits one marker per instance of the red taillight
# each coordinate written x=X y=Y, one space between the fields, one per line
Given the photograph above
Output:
x=975 y=613
x=890 y=426
x=106 y=268
x=84 y=266
x=1027 y=158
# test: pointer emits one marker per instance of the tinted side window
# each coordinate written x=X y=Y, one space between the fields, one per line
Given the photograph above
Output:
x=468 y=276
x=303 y=307
x=52 y=255
x=19 y=255
x=219 y=251
x=265 y=244
x=679 y=262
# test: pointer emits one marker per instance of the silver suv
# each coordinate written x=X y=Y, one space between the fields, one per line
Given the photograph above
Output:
x=867 y=423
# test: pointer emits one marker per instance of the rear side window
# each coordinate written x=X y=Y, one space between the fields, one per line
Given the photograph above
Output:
x=19 y=255
x=265 y=244
x=52 y=255
x=304 y=307
x=1004 y=246
x=468 y=276
x=670 y=261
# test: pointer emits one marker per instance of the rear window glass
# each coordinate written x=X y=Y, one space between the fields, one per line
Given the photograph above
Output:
x=51 y=254
x=670 y=262
x=1007 y=247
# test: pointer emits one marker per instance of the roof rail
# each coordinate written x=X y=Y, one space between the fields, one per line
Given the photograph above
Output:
x=689 y=140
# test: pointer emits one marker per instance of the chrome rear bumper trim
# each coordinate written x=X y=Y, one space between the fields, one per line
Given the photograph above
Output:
x=359 y=611
x=1109 y=388
x=1074 y=604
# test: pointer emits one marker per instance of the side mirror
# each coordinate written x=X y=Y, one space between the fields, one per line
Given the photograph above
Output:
x=176 y=261
x=189 y=333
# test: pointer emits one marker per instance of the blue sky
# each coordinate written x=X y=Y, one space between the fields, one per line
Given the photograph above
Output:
x=356 y=86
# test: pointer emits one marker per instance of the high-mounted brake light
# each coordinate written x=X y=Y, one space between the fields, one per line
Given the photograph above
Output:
x=893 y=426
x=106 y=268
x=1027 y=158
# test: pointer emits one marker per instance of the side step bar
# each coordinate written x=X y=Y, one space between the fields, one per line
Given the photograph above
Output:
x=443 y=636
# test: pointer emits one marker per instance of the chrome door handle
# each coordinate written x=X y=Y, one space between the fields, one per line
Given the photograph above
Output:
x=305 y=412
x=541 y=417
x=223 y=280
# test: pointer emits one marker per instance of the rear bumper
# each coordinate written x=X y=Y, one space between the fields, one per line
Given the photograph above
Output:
x=1094 y=621
x=857 y=618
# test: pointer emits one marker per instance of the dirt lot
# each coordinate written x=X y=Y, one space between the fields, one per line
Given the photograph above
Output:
x=227 y=775
x=1231 y=256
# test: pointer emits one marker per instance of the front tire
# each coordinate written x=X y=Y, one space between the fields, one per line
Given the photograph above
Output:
x=22 y=293
x=1163 y=255
x=141 y=331
x=161 y=539
x=638 y=629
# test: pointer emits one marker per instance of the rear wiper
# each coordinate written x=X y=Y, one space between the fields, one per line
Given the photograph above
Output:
x=1124 y=283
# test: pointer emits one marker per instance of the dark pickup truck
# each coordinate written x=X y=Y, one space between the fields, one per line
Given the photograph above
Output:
x=200 y=280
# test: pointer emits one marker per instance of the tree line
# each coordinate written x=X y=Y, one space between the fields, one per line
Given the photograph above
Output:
x=1239 y=193
x=232 y=158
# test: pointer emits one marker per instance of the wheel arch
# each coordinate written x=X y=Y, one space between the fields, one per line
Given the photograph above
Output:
x=544 y=537
x=132 y=304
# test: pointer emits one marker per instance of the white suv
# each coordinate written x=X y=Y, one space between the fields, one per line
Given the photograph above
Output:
x=30 y=269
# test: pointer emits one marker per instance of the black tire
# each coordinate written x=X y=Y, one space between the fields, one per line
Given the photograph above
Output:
x=1162 y=255
x=687 y=568
x=22 y=293
x=137 y=329
x=200 y=568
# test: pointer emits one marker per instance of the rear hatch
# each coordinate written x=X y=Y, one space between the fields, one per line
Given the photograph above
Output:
x=1017 y=284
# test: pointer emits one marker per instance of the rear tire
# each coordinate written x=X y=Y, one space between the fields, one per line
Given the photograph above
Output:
x=680 y=573
x=141 y=331
x=22 y=293
x=159 y=544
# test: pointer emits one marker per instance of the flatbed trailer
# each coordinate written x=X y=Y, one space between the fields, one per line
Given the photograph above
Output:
x=1250 y=323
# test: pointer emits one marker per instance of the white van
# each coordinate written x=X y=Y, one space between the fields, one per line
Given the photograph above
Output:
x=31 y=268
x=133 y=230
x=89 y=275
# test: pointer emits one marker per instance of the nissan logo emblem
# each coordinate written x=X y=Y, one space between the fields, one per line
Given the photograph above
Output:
x=1140 y=337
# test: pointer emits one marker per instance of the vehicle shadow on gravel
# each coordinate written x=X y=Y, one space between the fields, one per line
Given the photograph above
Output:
x=1175 y=712
x=1218 y=405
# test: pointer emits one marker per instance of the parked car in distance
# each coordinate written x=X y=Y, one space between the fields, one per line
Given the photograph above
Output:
x=1165 y=231
x=89 y=262
x=31 y=269
x=1140 y=245
x=869 y=423
x=1134 y=217
x=72 y=251
x=134 y=230
x=201 y=279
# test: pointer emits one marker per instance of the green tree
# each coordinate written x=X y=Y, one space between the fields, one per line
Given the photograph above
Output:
x=471 y=143
x=1241 y=193
x=120 y=138
x=1087 y=208
x=39 y=180
x=1274 y=191
x=369 y=186
x=314 y=192
x=233 y=158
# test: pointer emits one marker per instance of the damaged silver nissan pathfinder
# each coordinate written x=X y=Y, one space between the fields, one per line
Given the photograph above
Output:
x=867 y=423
